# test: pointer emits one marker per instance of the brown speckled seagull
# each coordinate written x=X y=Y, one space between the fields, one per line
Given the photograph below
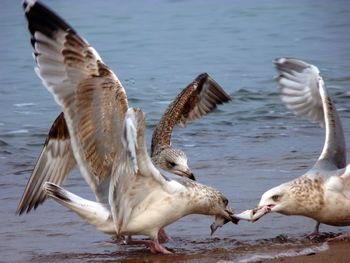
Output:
x=108 y=140
x=66 y=62
x=323 y=192
x=56 y=160
x=149 y=200
x=198 y=99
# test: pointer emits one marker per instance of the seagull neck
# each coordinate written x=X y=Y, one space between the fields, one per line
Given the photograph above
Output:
x=201 y=201
x=334 y=146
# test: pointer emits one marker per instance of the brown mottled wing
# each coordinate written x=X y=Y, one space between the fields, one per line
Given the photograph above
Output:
x=54 y=164
x=93 y=100
x=198 y=99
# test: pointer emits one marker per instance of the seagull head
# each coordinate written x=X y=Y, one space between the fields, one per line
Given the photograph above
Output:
x=302 y=196
x=174 y=161
x=273 y=200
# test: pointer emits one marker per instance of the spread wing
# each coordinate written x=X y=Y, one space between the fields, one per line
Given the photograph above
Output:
x=198 y=99
x=303 y=91
x=54 y=164
x=91 y=96
x=298 y=83
x=135 y=177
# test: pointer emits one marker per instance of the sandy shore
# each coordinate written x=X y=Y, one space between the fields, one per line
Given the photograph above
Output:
x=279 y=249
x=339 y=251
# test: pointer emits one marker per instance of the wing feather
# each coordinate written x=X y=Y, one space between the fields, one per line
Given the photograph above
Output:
x=93 y=99
x=298 y=84
x=198 y=99
x=303 y=91
x=54 y=164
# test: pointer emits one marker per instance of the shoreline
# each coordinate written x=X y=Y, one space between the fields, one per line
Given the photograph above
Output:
x=338 y=251
x=335 y=251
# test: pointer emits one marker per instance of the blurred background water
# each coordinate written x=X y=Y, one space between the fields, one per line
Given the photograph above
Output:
x=156 y=48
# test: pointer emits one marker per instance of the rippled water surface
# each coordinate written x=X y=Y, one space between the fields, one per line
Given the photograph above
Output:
x=156 y=48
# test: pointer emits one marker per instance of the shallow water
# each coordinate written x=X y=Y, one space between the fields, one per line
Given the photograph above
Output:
x=156 y=49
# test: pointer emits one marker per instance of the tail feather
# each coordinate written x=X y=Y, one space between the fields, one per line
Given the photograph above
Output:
x=93 y=213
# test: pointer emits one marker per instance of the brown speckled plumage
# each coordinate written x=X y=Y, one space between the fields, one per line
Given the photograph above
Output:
x=93 y=102
x=55 y=162
x=323 y=192
x=198 y=99
x=146 y=193
x=101 y=95
x=308 y=192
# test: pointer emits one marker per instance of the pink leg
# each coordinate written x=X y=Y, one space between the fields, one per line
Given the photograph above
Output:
x=162 y=236
x=315 y=233
x=154 y=246
x=158 y=248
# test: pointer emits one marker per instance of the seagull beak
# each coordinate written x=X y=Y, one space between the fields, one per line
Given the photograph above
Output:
x=191 y=176
x=234 y=219
x=231 y=217
x=186 y=172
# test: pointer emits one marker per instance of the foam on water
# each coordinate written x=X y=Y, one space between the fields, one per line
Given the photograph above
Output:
x=21 y=131
x=283 y=254
x=24 y=104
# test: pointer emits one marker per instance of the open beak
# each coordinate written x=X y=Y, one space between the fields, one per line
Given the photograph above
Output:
x=255 y=214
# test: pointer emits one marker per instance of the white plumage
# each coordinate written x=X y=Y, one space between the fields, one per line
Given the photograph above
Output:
x=323 y=192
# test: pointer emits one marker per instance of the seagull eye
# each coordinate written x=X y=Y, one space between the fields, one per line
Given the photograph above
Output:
x=172 y=164
x=225 y=201
x=275 y=198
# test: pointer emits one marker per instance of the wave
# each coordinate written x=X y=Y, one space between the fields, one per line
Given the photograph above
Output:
x=288 y=253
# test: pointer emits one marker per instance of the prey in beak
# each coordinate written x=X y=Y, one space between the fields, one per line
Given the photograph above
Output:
x=222 y=220
x=253 y=215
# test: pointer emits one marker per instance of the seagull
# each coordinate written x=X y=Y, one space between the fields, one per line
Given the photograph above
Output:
x=142 y=199
x=57 y=160
x=196 y=100
x=110 y=152
x=323 y=192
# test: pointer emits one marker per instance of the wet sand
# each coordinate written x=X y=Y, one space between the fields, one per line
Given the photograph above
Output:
x=339 y=251
x=278 y=249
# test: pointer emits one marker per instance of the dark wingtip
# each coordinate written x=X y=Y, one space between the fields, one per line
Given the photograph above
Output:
x=41 y=18
x=25 y=4
x=19 y=211
x=56 y=191
x=219 y=91
x=202 y=76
